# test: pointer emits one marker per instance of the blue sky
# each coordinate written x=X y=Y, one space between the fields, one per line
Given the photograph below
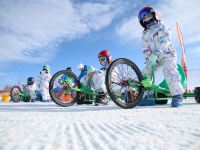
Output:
x=65 y=33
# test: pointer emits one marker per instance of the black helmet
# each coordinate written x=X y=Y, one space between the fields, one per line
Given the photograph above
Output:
x=144 y=11
x=30 y=81
x=69 y=68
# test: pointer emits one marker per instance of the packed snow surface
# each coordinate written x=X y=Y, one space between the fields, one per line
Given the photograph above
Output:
x=46 y=126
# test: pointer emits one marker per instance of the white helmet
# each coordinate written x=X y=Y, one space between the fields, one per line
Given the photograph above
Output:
x=80 y=66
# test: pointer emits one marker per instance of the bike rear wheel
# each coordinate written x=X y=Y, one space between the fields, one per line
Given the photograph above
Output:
x=61 y=88
x=197 y=92
x=118 y=77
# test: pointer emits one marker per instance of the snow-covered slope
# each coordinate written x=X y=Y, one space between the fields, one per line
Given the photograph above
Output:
x=32 y=126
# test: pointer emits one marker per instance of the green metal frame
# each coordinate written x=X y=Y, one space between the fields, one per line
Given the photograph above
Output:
x=24 y=97
x=163 y=87
x=160 y=88
x=84 y=89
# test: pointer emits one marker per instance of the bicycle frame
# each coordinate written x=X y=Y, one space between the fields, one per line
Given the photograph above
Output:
x=84 y=89
x=159 y=89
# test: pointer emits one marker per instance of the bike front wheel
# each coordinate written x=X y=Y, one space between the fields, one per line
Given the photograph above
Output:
x=121 y=75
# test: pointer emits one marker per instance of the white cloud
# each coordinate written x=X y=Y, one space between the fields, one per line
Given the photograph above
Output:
x=186 y=13
x=29 y=29
x=130 y=29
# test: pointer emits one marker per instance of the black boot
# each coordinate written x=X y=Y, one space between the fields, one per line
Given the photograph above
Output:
x=85 y=99
x=101 y=99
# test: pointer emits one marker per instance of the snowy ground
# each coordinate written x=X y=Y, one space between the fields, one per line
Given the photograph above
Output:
x=32 y=126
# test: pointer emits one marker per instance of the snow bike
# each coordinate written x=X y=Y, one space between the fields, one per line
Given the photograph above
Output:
x=18 y=95
x=65 y=89
x=123 y=83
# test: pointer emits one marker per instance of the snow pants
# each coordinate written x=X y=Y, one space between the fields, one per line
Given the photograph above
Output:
x=32 y=94
x=170 y=72
x=45 y=92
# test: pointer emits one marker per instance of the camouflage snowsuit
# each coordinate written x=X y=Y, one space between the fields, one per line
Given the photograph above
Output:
x=43 y=84
x=156 y=40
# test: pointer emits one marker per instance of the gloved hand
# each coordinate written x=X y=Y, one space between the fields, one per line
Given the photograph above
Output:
x=146 y=82
x=152 y=59
x=90 y=74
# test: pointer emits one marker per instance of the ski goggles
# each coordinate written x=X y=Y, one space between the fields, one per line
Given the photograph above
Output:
x=30 y=82
x=144 y=12
x=148 y=18
x=102 y=59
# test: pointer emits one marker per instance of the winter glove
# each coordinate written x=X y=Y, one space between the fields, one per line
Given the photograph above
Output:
x=90 y=74
x=152 y=59
x=146 y=82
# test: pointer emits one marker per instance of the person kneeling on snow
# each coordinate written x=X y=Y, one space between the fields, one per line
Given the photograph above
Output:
x=43 y=83
x=30 y=88
x=159 y=52
x=96 y=79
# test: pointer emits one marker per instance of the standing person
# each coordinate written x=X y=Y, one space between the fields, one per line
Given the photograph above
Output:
x=43 y=83
x=159 y=52
x=31 y=88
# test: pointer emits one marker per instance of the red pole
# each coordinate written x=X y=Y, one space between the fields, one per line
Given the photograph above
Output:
x=183 y=60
